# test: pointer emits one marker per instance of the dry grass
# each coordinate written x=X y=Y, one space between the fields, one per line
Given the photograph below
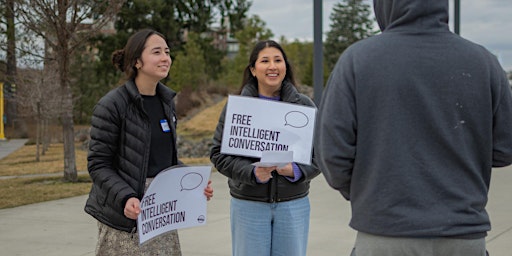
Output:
x=28 y=190
x=23 y=161
x=196 y=160
x=204 y=122
x=22 y=191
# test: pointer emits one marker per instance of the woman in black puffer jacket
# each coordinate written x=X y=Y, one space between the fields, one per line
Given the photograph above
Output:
x=133 y=138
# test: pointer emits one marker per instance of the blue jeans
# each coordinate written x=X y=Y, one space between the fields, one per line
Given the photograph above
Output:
x=269 y=229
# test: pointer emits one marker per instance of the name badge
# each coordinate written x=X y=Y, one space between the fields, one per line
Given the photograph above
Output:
x=165 y=125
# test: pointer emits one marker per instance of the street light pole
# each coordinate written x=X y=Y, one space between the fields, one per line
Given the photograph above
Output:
x=456 y=15
x=318 y=82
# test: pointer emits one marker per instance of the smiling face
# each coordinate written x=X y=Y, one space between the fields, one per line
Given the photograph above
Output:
x=155 y=60
x=270 y=70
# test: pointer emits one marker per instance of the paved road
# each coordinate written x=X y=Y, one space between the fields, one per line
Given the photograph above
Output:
x=61 y=227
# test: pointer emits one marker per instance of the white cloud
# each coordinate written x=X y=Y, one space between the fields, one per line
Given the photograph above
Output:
x=484 y=22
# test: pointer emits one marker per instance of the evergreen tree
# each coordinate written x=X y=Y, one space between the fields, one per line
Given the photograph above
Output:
x=300 y=55
x=188 y=68
x=159 y=15
x=173 y=19
x=236 y=12
x=350 y=22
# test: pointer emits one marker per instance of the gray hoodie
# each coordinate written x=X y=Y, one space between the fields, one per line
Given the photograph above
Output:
x=411 y=123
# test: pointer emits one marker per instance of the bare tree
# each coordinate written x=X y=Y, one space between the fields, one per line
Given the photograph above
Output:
x=62 y=26
x=36 y=99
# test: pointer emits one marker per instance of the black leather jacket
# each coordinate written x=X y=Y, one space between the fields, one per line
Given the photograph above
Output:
x=119 y=152
x=238 y=169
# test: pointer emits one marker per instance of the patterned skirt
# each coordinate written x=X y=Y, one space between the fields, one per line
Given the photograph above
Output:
x=113 y=242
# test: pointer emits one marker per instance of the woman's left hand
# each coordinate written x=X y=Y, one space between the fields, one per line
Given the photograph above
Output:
x=208 y=191
x=286 y=170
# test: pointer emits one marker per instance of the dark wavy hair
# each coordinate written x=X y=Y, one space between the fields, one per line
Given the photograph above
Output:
x=249 y=79
x=126 y=58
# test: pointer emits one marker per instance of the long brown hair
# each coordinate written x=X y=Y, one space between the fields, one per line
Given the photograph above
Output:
x=248 y=78
x=126 y=58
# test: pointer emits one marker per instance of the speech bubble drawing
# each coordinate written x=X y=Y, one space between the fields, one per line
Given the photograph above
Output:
x=191 y=181
x=296 y=119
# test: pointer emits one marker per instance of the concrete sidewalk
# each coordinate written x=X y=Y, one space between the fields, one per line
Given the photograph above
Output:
x=11 y=145
x=62 y=228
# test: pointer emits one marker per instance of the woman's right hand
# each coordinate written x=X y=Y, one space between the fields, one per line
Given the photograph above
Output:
x=132 y=208
x=264 y=174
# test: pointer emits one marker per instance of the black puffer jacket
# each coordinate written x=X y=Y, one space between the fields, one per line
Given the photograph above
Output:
x=119 y=152
x=238 y=169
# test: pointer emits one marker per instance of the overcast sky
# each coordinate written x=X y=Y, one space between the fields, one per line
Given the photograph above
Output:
x=486 y=22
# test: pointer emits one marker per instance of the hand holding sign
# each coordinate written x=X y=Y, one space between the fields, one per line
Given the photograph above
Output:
x=175 y=199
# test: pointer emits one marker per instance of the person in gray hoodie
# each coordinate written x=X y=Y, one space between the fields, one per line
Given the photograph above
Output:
x=410 y=125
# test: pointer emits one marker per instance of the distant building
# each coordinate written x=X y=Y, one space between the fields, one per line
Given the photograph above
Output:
x=224 y=42
x=221 y=39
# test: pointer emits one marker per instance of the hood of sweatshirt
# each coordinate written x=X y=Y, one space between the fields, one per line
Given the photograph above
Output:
x=413 y=15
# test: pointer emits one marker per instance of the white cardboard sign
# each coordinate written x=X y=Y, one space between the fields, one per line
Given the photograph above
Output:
x=254 y=125
x=175 y=199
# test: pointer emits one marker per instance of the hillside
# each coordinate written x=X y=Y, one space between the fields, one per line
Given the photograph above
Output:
x=195 y=133
x=202 y=123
